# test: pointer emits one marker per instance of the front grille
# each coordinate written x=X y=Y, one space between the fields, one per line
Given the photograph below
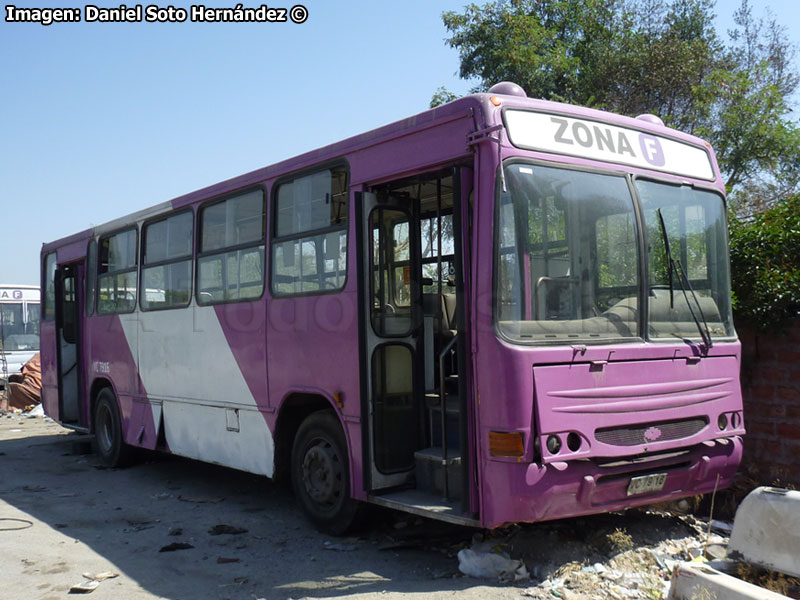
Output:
x=635 y=435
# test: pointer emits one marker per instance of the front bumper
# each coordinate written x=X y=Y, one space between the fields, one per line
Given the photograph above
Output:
x=518 y=492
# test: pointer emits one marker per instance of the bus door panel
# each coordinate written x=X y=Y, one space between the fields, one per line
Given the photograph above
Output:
x=392 y=318
x=67 y=285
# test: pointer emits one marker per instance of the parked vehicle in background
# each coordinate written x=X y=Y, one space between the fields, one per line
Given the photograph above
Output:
x=498 y=310
x=19 y=328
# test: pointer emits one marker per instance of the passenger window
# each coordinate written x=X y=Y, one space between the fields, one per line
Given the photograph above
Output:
x=167 y=262
x=117 y=277
x=230 y=262
x=91 y=274
x=49 y=287
x=309 y=247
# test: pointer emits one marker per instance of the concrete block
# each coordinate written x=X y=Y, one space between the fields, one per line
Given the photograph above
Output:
x=766 y=530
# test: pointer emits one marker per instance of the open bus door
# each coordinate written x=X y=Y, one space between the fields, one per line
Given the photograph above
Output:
x=414 y=388
x=68 y=282
x=391 y=335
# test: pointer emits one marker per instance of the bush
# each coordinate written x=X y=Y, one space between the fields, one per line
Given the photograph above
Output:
x=765 y=263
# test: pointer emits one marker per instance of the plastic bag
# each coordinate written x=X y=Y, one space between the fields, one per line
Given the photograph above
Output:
x=490 y=565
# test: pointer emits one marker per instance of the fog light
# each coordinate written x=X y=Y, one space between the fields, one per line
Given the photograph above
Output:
x=722 y=422
x=553 y=444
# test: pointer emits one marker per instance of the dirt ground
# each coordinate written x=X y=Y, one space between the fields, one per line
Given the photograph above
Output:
x=236 y=536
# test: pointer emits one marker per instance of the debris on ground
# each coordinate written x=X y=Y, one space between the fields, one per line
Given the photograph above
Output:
x=223 y=560
x=208 y=500
x=91 y=582
x=338 y=547
x=101 y=576
x=84 y=587
x=223 y=529
x=176 y=546
x=616 y=563
x=36 y=411
x=487 y=564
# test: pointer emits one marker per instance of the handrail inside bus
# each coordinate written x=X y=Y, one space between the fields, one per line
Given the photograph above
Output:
x=443 y=407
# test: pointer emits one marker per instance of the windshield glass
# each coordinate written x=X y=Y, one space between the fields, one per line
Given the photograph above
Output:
x=19 y=330
x=567 y=258
x=694 y=222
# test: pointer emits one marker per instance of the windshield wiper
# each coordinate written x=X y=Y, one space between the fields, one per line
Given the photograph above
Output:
x=665 y=237
x=676 y=266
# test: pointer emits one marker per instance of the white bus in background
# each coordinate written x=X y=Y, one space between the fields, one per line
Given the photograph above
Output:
x=19 y=327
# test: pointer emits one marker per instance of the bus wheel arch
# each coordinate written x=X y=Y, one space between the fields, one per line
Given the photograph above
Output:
x=109 y=443
x=320 y=474
x=294 y=409
x=97 y=386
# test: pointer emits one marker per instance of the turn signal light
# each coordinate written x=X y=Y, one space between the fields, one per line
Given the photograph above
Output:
x=502 y=443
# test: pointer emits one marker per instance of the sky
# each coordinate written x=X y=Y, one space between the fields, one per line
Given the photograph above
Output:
x=98 y=120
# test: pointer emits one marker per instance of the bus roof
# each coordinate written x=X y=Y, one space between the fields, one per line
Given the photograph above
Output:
x=486 y=110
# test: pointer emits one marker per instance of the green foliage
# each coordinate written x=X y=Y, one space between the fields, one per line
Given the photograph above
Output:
x=765 y=262
x=748 y=127
x=442 y=96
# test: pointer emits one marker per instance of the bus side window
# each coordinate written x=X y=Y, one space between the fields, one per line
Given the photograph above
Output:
x=117 y=279
x=49 y=285
x=91 y=276
x=309 y=244
x=167 y=262
x=230 y=257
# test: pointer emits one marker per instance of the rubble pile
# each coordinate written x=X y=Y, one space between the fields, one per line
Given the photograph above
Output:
x=611 y=563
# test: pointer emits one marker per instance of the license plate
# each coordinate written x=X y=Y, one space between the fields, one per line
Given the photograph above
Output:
x=647 y=483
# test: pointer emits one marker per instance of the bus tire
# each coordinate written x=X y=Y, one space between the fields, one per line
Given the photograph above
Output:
x=321 y=474
x=108 y=442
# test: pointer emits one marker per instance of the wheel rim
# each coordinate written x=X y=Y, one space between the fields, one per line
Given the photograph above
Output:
x=104 y=429
x=323 y=474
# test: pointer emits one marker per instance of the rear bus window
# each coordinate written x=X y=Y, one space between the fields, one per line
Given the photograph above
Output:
x=230 y=263
x=309 y=248
x=167 y=262
x=116 y=281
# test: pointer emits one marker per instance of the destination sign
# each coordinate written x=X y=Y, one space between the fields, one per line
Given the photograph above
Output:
x=11 y=295
x=610 y=143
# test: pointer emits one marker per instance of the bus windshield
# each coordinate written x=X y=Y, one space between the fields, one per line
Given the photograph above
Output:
x=20 y=326
x=692 y=225
x=569 y=250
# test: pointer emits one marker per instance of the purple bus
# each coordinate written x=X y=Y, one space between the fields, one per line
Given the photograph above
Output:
x=499 y=310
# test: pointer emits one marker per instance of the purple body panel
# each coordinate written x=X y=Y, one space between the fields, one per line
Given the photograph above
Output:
x=309 y=345
x=244 y=327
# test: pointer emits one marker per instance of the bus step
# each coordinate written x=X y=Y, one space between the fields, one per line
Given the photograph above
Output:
x=432 y=470
x=425 y=504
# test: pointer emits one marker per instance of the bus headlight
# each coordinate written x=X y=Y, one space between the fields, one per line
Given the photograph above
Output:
x=553 y=444
x=722 y=422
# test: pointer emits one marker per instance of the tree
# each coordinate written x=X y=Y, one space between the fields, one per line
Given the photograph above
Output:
x=442 y=96
x=758 y=147
x=650 y=56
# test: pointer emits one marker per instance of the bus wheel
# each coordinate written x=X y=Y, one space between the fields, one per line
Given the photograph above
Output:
x=320 y=474
x=108 y=442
